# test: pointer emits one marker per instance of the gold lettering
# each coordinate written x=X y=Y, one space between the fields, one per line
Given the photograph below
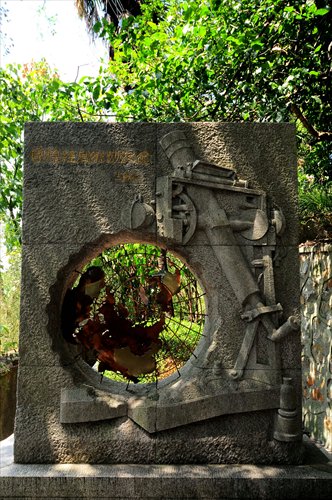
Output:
x=130 y=157
x=118 y=157
x=125 y=157
x=69 y=156
x=100 y=155
x=108 y=158
x=56 y=156
x=90 y=157
x=53 y=156
x=127 y=177
x=82 y=157
x=37 y=155
x=94 y=158
x=143 y=157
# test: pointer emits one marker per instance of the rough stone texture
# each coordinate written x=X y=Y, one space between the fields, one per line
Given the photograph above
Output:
x=86 y=404
x=316 y=309
x=80 y=181
x=313 y=480
x=166 y=482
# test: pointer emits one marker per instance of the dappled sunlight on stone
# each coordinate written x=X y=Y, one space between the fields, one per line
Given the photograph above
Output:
x=210 y=332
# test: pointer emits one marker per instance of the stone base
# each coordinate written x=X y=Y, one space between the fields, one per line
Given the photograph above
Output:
x=313 y=480
x=165 y=482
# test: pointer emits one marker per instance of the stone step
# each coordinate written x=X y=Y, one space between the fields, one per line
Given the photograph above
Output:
x=313 y=480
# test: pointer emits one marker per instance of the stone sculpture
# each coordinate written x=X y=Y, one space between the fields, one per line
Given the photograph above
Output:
x=223 y=198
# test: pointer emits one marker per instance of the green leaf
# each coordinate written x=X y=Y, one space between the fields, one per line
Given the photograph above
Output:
x=97 y=27
x=321 y=12
x=96 y=92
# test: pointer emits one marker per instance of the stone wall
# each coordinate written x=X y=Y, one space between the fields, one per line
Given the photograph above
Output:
x=316 y=303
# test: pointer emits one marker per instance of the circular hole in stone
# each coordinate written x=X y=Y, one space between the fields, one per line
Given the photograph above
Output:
x=137 y=312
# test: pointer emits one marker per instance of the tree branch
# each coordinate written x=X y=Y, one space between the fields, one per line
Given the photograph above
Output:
x=80 y=112
x=320 y=136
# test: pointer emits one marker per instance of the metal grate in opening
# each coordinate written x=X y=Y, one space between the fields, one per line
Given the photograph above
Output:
x=137 y=311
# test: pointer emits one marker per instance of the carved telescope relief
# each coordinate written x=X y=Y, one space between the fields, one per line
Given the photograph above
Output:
x=204 y=187
x=211 y=217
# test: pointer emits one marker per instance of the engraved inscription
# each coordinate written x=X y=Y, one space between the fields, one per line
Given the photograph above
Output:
x=126 y=177
x=57 y=156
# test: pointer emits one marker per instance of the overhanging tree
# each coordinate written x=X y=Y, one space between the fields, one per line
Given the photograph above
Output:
x=227 y=60
x=231 y=60
x=258 y=60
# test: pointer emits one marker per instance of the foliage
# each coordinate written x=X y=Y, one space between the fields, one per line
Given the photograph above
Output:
x=145 y=300
x=9 y=304
x=248 y=60
x=315 y=204
x=173 y=355
x=224 y=53
x=129 y=267
x=225 y=60
x=32 y=92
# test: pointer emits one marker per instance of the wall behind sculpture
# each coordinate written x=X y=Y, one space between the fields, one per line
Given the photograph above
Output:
x=316 y=326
